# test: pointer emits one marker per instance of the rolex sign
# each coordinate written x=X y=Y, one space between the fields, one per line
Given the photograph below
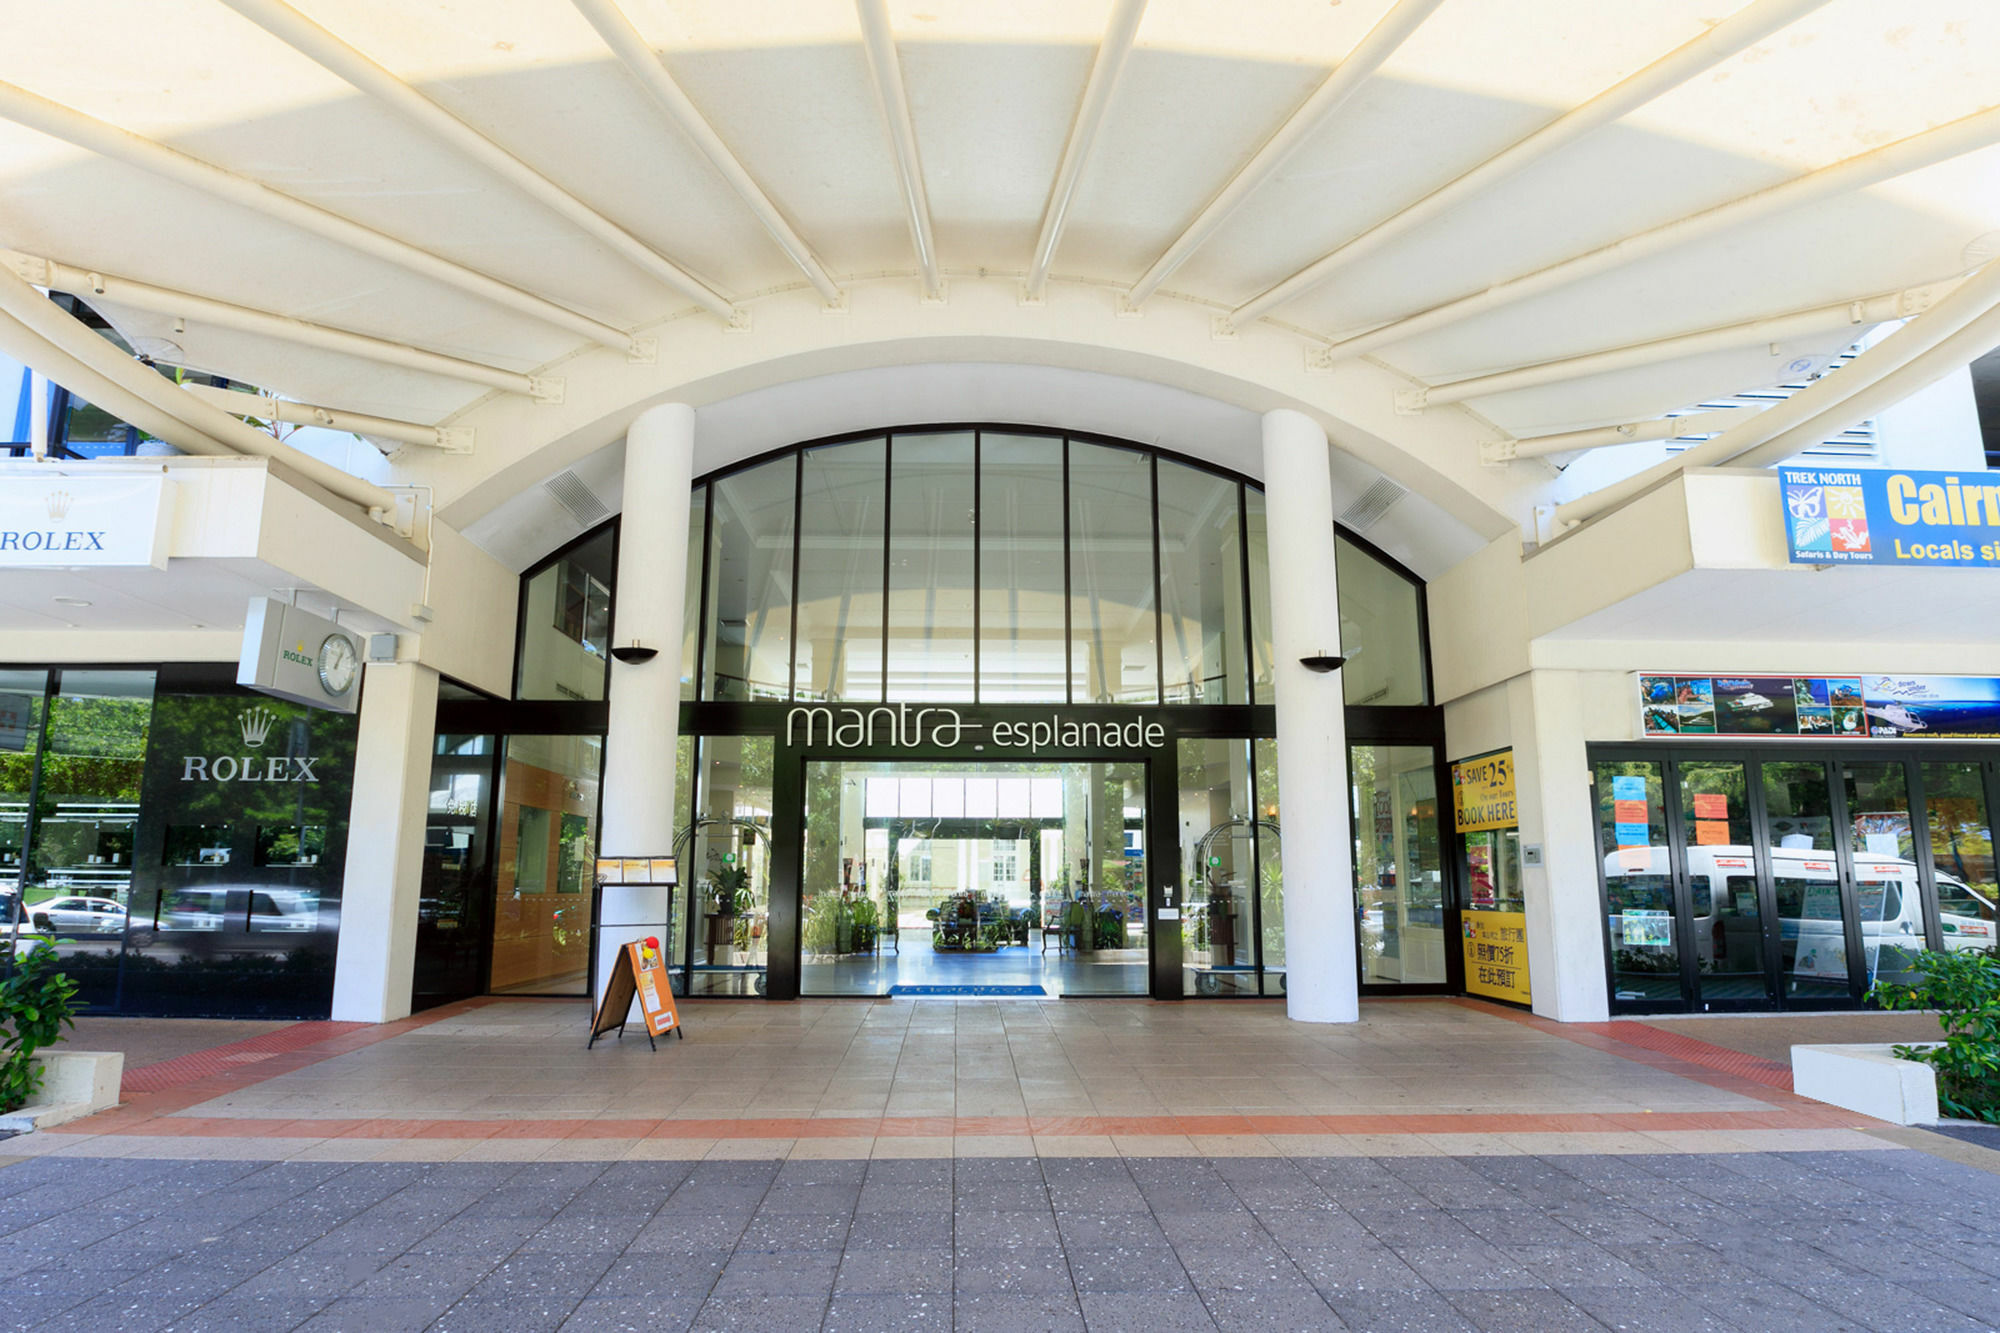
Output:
x=61 y=519
x=297 y=655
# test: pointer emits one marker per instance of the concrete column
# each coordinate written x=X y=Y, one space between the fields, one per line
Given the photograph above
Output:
x=645 y=699
x=383 y=880
x=1317 y=847
x=1557 y=809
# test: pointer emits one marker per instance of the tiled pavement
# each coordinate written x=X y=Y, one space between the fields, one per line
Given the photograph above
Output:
x=973 y=1165
x=1809 y=1241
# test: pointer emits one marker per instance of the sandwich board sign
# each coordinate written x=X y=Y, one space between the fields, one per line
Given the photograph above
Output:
x=639 y=973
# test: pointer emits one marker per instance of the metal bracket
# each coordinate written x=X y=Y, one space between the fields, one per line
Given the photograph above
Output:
x=738 y=321
x=1410 y=402
x=455 y=439
x=547 y=388
x=1023 y=297
x=841 y=303
x=1127 y=310
x=1496 y=453
x=1319 y=359
x=1915 y=301
x=643 y=352
x=943 y=296
x=1221 y=330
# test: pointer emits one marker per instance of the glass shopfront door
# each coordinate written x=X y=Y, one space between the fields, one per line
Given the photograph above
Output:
x=1786 y=879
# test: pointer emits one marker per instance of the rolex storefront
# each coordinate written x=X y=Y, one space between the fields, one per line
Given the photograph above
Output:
x=960 y=710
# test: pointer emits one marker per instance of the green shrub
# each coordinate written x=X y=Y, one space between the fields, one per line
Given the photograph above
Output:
x=1963 y=985
x=36 y=1002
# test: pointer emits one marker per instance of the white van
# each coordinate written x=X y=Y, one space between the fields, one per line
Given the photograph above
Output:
x=1722 y=882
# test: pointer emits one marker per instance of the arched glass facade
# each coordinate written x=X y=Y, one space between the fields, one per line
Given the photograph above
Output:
x=1101 y=815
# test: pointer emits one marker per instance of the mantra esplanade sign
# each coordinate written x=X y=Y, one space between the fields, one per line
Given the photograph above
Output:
x=900 y=726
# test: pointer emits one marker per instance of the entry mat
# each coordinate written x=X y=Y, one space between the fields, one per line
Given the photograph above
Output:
x=966 y=990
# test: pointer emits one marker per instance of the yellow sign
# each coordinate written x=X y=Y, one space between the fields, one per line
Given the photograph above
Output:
x=1496 y=955
x=1482 y=792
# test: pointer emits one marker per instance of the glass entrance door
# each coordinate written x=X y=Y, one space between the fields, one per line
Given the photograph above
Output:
x=969 y=876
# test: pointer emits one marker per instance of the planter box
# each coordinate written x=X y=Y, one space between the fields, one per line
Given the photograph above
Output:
x=74 y=1084
x=1869 y=1079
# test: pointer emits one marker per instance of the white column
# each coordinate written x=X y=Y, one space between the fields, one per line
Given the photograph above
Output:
x=383 y=879
x=645 y=700
x=1557 y=809
x=1316 y=847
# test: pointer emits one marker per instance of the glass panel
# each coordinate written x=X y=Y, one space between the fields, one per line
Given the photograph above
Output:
x=1218 y=943
x=80 y=866
x=1961 y=854
x=1052 y=895
x=1201 y=586
x=1257 y=546
x=1023 y=657
x=452 y=904
x=1722 y=879
x=840 y=572
x=1398 y=865
x=1112 y=607
x=1805 y=880
x=1638 y=881
x=1883 y=845
x=20 y=735
x=930 y=568
x=749 y=583
x=691 y=607
x=730 y=867
x=548 y=848
x=566 y=624
x=1493 y=861
x=1270 y=867
x=1381 y=631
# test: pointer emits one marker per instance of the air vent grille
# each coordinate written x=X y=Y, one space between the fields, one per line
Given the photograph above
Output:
x=577 y=499
x=1374 y=502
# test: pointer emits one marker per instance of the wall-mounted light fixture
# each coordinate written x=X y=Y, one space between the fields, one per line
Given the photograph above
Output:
x=1322 y=662
x=634 y=653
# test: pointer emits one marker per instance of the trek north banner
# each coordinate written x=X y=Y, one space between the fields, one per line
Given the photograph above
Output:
x=1872 y=516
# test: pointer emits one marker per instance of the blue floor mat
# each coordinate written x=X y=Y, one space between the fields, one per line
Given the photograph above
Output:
x=966 y=990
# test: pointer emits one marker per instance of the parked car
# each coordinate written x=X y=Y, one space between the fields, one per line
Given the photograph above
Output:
x=75 y=915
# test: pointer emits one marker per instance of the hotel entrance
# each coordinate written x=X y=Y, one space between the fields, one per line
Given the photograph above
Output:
x=967 y=879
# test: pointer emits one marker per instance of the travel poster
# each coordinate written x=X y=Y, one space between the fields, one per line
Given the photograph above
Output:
x=1875 y=516
x=1843 y=707
x=1496 y=955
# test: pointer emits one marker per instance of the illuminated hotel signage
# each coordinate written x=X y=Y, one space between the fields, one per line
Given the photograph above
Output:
x=900 y=726
x=1850 y=516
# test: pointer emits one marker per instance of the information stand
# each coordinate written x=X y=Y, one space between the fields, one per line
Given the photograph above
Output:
x=638 y=974
x=638 y=970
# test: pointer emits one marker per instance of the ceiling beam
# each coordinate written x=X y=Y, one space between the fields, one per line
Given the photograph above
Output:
x=186 y=305
x=62 y=348
x=886 y=67
x=1966 y=321
x=1856 y=315
x=1104 y=71
x=74 y=127
x=310 y=39
x=1347 y=77
x=1848 y=176
x=267 y=407
x=643 y=62
x=1745 y=28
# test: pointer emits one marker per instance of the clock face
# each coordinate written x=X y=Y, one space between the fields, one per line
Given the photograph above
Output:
x=337 y=663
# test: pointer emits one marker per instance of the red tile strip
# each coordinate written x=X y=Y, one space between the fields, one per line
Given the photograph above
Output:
x=809 y=1127
x=1701 y=1061
x=220 y=1059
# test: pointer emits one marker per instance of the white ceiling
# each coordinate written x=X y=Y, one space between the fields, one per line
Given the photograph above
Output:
x=993 y=90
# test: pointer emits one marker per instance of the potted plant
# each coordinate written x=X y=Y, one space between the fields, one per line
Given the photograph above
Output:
x=728 y=898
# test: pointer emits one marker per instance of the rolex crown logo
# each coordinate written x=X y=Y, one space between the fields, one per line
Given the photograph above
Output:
x=58 y=503
x=256 y=725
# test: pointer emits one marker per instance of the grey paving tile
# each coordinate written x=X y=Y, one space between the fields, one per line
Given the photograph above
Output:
x=870 y=1312
x=1890 y=1307
x=525 y=1313
x=974 y=1229
x=1016 y=1312
x=632 y=1314
x=1770 y=1308
x=800 y=1273
x=883 y=1272
x=761 y=1313
x=541 y=1277
x=899 y=1231
x=1149 y=1269
x=636 y=1274
x=1522 y=1311
x=1398 y=1312
x=1650 y=1308
x=1468 y=1267
x=1140 y=1312
x=1026 y=1270
x=375 y=1316
x=1371 y=1266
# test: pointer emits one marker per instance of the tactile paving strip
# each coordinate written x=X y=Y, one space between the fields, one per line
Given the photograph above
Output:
x=196 y=1065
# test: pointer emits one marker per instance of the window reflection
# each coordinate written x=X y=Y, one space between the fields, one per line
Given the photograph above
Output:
x=1398 y=865
x=566 y=624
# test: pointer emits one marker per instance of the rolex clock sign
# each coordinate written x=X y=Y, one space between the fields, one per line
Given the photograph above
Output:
x=297 y=655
